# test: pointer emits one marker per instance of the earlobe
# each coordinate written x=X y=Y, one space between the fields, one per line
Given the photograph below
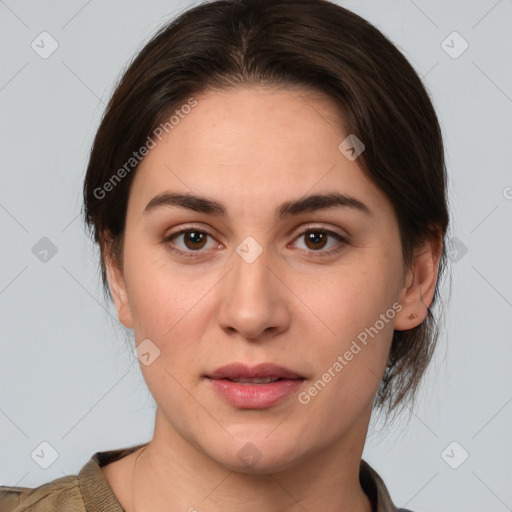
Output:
x=419 y=286
x=414 y=308
x=119 y=292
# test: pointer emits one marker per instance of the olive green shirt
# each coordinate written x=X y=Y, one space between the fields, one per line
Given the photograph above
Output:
x=89 y=491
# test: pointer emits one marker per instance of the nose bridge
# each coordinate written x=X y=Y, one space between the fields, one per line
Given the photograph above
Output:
x=252 y=303
x=251 y=273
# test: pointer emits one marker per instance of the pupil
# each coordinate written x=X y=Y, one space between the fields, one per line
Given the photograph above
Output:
x=195 y=239
x=317 y=239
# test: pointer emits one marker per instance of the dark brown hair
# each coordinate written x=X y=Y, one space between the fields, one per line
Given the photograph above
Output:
x=306 y=43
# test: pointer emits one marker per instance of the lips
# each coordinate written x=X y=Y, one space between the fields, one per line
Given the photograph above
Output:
x=254 y=387
x=238 y=372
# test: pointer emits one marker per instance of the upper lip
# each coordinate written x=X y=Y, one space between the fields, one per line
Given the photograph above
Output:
x=240 y=370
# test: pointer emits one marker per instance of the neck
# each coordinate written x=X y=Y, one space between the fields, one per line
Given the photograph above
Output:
x=323 y=481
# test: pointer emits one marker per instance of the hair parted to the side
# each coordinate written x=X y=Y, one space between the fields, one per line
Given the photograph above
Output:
x=296 y=43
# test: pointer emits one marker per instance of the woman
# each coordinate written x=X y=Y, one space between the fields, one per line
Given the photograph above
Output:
x=267 y=189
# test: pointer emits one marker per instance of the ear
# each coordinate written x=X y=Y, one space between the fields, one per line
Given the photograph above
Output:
x=117 y=286
x=419 y=285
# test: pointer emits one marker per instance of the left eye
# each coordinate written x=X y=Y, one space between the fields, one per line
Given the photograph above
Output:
x=318 y=239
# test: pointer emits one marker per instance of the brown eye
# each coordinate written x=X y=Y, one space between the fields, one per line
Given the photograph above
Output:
x=320 y=242
x=194 y=239
x=190 y=241
x=316 y=239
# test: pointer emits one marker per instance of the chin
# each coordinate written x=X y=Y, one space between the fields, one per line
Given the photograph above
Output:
x=257 y=455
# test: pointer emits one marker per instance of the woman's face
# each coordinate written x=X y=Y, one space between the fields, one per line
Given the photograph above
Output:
x=274 y=249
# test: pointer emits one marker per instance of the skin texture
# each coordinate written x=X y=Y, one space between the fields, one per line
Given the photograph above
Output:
x=251 y=149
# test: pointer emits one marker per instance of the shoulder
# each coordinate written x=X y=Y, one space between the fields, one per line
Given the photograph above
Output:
x=88 y=491
x=60 y=494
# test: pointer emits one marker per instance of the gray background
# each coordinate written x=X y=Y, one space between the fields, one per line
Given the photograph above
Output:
x=67 y=375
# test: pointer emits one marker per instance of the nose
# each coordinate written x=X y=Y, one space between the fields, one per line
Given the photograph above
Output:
x=254 y=301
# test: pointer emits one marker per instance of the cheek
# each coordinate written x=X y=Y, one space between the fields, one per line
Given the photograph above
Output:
x=357 y=345
x=357 y=307
x=350 y=357
x=169 y=311
x=172 y=309
x=352 y=298
x=160 y=296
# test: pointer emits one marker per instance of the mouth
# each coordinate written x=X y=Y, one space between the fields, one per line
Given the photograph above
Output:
x=260 y=374
x=255 y=380
x=254 y=387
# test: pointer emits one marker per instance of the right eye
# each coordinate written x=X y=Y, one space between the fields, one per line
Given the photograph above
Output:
x=190 y=240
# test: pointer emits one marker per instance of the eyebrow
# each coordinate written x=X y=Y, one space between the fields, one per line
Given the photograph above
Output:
x=305 y=204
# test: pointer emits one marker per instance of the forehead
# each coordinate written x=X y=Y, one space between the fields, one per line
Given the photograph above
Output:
x=256 y=125
x=253 y=144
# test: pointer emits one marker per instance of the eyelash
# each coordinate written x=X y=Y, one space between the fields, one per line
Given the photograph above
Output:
x=311 y=229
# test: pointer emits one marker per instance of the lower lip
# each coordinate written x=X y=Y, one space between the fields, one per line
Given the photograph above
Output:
x=255 y=396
